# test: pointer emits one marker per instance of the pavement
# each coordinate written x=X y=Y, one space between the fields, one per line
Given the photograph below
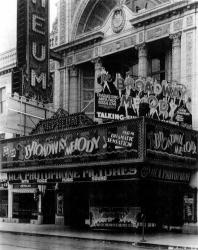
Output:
x=170 y=241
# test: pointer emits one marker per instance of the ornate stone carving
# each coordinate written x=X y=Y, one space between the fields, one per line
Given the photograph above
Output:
x=177 y=25
x=84 y=56
x=73 y=71
x=142 y=50
x=161 y=31
x=189 y=58
x=141 y=37
x=176 y=38
x=98 y=63
x=123 y=43
x=189 y=21
x=118 y=20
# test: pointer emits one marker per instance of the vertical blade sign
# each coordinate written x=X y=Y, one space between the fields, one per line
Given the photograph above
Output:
x=37 y=86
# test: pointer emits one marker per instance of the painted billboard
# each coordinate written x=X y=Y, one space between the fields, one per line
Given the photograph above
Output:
x=119 y=98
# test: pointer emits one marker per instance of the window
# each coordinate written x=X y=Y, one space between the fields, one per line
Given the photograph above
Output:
x=87 y=93
x=158 y=68
x=2 y=98
x=190 y=207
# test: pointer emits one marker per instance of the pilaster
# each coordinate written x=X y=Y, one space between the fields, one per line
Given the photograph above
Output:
x=142 y=60
x=176 y=56
x=56 y=93
x=10 y=201
x=97 y=87
x=73 y=89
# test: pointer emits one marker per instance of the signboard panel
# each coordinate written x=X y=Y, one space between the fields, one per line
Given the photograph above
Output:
x=71 y=175
x=119 y=98
x=166 y=142
x=92 y=144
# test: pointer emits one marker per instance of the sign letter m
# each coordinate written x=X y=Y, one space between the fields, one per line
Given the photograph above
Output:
x=38 y=79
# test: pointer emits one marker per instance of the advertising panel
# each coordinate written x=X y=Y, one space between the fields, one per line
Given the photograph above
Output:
x=115 y=141
x=118 y=98
x=74 y=175
x=166 y=142
x=114 y=216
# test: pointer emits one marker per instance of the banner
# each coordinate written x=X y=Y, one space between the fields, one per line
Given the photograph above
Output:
x=118 y=98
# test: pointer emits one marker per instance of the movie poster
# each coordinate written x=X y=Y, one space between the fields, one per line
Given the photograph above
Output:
x=120 y=98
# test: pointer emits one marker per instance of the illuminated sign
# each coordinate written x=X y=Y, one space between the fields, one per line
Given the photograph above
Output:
x=121 y=98
x=33 y=49
x=134 y=140
x=165 y=174
x=170 y=142
x=87 y=144
x=72 y=175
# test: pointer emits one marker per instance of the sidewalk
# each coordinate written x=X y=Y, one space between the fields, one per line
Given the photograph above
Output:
x=170 y=241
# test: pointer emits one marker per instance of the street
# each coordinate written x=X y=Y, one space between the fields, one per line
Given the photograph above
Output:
x=10 y=241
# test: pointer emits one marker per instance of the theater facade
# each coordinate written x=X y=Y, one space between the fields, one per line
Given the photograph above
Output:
x=101 y=175
x=128 y=143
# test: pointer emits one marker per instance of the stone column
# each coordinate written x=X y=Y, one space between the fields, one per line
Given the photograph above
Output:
x=168 y=66
x=142 y=60
x=98 y=67
x=56 y=91
x=73 y=89
x=66 y=90
x=176 y=57
x=40 y=213
x=59 y=219
x=10 y=202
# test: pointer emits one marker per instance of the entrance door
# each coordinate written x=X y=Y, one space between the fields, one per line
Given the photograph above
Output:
x=76 y=205
x=24 y=206
x=49 y=207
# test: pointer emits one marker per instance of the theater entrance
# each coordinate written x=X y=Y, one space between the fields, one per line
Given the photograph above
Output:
x=76 y=204
x=49 y=207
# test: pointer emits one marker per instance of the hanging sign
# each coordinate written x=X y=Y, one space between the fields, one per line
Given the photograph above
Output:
x=35 y=39
x=120 y=98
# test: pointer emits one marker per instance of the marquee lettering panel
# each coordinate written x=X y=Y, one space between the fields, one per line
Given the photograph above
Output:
x=91 y=144
x=167 y=142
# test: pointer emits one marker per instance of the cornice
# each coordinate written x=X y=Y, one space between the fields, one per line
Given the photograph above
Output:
x=81 y=42
x=166 y=11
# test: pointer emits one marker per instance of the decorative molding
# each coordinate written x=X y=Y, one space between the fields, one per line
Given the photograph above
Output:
x=177 y=25
x=98 y=63
x=176 y=38
x=73 y=71
x=119 y=45
x=158 y=32
x=189 y=59
x=84 y=56
x=142 y=50
x=189 y=21
x=70 y=60
x=141 y=37
x=118 y=20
